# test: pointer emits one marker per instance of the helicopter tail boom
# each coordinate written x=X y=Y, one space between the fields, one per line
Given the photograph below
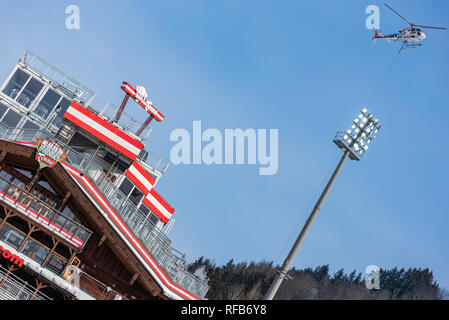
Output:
x=379 y=35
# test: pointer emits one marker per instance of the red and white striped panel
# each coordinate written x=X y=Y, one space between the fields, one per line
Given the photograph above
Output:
x=144 y=103
x=158 y=205
x=103 y=130
x=140 y=177
x=135 y=245
x=40 y=219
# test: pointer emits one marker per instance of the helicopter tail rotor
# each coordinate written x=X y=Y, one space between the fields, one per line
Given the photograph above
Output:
x=376 y=36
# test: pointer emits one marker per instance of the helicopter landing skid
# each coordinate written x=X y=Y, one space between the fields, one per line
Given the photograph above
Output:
x=412 y=45
x=406 y=45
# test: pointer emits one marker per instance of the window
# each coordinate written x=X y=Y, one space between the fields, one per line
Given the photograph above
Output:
x=44 y=198
x=30 y=92
x=131 y=191
x=11 y=119
x=56 y=264
x=81 y=143
x=64 y=104
x=154 y=218
x=27 y=173
x=11 y=236
x=35 y=251
x=16 y=83
x=47 y=104
x=126 y=186
x=30 y=125
x=6 y=175
x=145 y=211
x=3 y=109
x=135 y=196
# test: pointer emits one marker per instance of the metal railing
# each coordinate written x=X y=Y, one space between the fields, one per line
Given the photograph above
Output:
x=129 y=124
x=127 y=121
x=14 y=288
x=57 y=77
x=157 y=244
x=42 y=213
x=157 y=163
x=98 y=289
x=92 y=286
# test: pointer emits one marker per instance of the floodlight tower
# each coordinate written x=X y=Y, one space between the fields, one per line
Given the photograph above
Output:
x=354 y=142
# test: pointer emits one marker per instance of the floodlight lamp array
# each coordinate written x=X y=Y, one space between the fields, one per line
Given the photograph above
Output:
x=361 y=133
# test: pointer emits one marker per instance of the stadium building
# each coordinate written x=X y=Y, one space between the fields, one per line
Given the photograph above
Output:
x=80 y=214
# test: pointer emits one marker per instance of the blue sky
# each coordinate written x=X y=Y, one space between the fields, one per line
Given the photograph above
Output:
x=305 y=68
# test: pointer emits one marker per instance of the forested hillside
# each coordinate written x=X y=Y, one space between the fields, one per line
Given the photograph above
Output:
x=250 y=281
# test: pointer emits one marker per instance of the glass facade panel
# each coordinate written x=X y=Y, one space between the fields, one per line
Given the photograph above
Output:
x=11 y=119
x=30 y=125
x=27 y=173
x=30 y=92
x=135 y=196
x=64 y=104
x=35 y=251
x=47 y=104
x=11 y=236
x=144 y=210
x=56 y=264
x=154 y=218
x=3 y=109
x=6 y=175
x=126 y=186
x=16 y=83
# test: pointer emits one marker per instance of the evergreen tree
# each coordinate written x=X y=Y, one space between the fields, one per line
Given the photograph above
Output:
x=250 y=281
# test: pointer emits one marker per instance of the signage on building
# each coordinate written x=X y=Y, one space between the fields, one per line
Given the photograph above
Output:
x=140 y=95
x=18 y=261
x=49 y=152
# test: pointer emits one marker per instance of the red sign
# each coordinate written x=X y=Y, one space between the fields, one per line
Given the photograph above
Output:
x=49 y=153
x=18 y=261
x=140 y=96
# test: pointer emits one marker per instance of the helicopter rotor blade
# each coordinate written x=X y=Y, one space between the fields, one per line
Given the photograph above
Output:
x=428 y=27
x=398 y=14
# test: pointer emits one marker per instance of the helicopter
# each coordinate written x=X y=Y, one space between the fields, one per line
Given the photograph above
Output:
x=409 y=36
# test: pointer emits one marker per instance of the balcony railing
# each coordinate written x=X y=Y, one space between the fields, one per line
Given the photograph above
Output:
x=91 y=285
x=41 y=213
x=57 y=77
x=157 y=163
x=127 y=121
x=14 y=288
x=151 y=237
x=171 y=260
